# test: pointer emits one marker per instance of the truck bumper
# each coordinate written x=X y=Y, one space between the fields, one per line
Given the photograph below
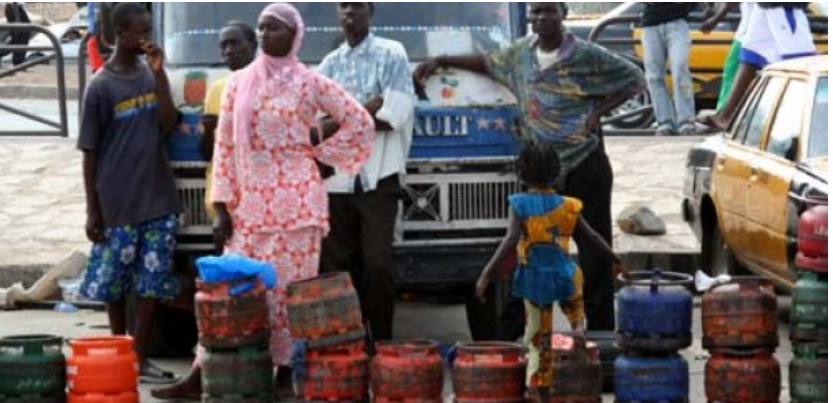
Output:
x=453 y=265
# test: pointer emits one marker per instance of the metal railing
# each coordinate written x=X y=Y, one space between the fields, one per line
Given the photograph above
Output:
x=53 y=52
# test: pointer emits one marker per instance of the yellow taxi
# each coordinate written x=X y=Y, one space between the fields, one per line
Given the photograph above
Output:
x=746 y=188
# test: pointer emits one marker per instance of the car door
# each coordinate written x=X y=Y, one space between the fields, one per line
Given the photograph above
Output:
x=769 y=178
x=730 y=184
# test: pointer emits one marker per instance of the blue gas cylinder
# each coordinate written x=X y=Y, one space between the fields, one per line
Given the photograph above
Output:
x=655 y=311
x=651 y=379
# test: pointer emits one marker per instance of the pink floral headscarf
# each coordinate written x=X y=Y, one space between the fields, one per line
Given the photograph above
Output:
x=266 y=67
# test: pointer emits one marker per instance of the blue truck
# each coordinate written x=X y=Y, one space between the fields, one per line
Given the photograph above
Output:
x=453 y=210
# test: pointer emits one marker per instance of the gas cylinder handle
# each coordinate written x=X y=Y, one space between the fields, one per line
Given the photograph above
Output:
x=413 y=347
x=744 y=353
x=657 y=278
x=32 y=344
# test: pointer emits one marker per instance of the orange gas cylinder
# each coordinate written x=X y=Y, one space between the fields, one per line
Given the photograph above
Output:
x=489 y=372
x=334 y=374
x=812 y=239
x=734 y=376
x=324 y=311
x=741 y=315
x=408 y=371
x=577 y=376
x=102 y=367
x=227 y=321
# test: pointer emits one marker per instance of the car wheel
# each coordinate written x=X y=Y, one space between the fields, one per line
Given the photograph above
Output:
x=721 y=260
x=640 y=120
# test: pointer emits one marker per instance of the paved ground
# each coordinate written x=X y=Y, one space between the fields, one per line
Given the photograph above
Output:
x=40 y=82
x=431 y=320
x=42 y=196
x=42 y=201
x=44 y=108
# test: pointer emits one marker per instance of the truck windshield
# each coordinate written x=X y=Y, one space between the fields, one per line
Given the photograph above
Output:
x=190 y=30
x=818 y=127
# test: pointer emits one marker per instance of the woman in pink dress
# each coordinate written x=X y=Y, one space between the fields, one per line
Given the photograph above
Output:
x=270 y=199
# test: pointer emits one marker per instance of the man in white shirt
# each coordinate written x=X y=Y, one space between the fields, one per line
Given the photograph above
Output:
x=364 y=208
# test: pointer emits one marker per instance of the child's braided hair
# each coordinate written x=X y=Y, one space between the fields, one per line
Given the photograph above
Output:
x=538 y=164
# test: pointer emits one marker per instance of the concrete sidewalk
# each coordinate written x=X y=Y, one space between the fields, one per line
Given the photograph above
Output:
x=41 y=82
x=42 y=203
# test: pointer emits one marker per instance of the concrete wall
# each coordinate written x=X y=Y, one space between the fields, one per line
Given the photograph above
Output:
x=591 y=8
x=53 y=10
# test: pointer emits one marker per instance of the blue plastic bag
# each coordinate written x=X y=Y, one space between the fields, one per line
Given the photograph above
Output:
x=233 y=267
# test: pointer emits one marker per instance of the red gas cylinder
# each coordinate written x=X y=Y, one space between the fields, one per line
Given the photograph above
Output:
x=324 y=311
x=741 y=315
x=577 y=374
x=102 y=370
x=812 y=239
x=408 y=371
x=734 y=376
x=227 y=321
x=127 y=397
x=334 y=374
x=489 y=372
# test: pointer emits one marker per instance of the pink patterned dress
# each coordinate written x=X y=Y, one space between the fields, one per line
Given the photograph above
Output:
x=271 y=184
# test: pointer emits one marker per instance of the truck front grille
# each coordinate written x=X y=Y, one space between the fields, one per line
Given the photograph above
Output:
x=480 y=200
x=194 y=219
x=457 y=201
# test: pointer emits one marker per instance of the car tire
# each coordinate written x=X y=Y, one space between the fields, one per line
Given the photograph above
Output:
x=719 y=257
x=640 y=121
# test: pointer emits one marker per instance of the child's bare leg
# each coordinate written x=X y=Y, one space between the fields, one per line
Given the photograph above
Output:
x=538 y=340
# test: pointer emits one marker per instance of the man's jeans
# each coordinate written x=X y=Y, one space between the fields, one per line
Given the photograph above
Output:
x=669 y=44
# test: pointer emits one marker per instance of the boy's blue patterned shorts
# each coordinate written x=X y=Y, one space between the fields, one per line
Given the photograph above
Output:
x=133 y=259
